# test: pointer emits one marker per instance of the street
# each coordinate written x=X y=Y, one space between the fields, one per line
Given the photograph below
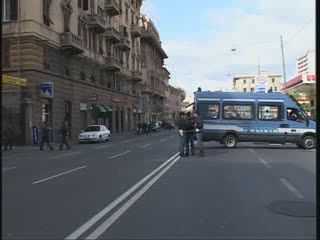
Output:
x=137 y=186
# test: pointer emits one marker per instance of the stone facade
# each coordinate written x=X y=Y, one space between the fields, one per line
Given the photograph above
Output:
x=89 y=50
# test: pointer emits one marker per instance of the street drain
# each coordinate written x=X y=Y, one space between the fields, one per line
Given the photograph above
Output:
x=294 y=208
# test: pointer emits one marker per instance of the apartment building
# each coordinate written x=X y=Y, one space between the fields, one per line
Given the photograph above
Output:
x=249 y=82
x=306 y=64
x=81 y=60
x=153 y=74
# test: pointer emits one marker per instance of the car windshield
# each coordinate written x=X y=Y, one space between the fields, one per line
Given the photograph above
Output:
x=92 y=129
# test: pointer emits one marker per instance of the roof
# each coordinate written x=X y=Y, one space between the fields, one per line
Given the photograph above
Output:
x=240 y=95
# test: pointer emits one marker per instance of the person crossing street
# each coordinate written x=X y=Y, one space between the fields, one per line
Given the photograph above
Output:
x=198 y=125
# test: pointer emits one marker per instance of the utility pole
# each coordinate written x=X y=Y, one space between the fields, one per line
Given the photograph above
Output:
x=258 y=65
x=283 y=66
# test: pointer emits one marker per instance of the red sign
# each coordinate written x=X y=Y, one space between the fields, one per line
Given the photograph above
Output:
x=311 y=77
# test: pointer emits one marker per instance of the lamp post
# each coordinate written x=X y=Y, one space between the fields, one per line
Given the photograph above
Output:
x=283 y=66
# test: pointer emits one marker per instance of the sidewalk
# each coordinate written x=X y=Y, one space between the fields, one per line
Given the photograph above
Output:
x=23 y=149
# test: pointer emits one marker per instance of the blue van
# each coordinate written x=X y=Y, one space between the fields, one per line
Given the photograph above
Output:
x=232 y=117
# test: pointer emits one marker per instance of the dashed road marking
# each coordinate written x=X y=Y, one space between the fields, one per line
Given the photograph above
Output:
x=251 y=150
x=104 y=146
x=163 y=140
x=146 y=145
x=264 y=162
x=119 y=154
x=57 y=175
x=65 y=155
x=291 y=188
x=5 y=169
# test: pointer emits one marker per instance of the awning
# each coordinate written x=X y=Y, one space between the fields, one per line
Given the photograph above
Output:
x=108 y=109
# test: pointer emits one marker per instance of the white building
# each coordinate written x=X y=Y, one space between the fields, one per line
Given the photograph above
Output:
x=306 y=64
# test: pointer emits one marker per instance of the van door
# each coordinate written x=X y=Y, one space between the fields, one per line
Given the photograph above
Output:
x=297 y=123
x=270 y=121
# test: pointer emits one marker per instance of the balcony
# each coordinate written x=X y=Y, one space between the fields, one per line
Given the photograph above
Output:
x=71 y=43
x=135 y=31
x=112 y=7
x=137 y=76
x=112 y=35
x=112 y=64
x=124 y=44
x=125 y=73
x=97 y=23
x=153 y=40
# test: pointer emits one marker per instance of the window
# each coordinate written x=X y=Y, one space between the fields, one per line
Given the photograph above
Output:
x=294 y=114
x=238 y=111
x=9 y=10
x=46 y=13
x=275 y=89
x=127 y=14
x=209 y=110
x=109 y=85
x=82 y=76
x=252 y=89
x=253 y=81
x=245 y=90
x=269 y=112
x=5 y=53
x=92 y=5
x=83 y=4
x=273 y=80
x=66 y=71
x=244 y=81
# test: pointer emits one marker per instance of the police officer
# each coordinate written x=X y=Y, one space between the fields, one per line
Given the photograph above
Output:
x=8 y=138
x=189 y=134
x=64 y=131
x=182 y=126
x=198 y=125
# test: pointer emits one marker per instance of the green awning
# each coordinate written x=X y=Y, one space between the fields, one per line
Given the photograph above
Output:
x=108 y=109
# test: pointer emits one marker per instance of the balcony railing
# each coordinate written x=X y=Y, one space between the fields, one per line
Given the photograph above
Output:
x=135 y=31
x=124 y=44
x=112 y=35
x=71 y=43
x=112 y=7
x=96 y=22
x=112 y=64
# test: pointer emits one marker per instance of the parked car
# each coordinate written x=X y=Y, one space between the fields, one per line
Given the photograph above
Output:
x=95 y=133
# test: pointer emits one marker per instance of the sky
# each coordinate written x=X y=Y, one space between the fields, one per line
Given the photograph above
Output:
x=198 y=36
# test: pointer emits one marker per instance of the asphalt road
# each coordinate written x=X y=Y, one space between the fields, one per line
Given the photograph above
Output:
x=137 y=187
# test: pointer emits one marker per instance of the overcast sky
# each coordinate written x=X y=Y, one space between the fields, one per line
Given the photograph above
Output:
x=198 y=36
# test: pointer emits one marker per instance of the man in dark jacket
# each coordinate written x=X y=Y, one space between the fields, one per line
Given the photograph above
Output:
x=198 y=125
x=64 y=132
x=189 y=134
x=8 y=138
x=45 y=136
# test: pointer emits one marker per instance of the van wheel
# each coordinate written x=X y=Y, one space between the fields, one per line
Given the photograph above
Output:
x=230 y=141
x=308 y=142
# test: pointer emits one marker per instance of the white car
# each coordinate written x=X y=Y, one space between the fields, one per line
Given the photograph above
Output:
x=95 y=133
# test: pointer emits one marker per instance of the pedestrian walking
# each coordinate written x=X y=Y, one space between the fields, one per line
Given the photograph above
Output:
x=182 y=126
x=198 y=125
x=45 y=136
x=64 y=132
x=8 y=138
x=189 y=134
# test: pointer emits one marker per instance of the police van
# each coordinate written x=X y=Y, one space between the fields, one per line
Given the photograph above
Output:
x=232 y=117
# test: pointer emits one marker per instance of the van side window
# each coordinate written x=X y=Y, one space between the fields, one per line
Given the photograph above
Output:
x=294 y=114
x=209 y=111
x=238 y=111
x=269 y=112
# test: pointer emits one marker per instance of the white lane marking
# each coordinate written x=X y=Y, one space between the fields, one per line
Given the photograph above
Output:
x=106 y=224
x=120 y=154
x=112 y=205
x=146 y=145
x=4 y=169
x=60 y=174
x=65 y=155
x=128 y=141
x=104 y=146
x=265 y=162
x=163 y=140
x=251 y=150
x=291 y=188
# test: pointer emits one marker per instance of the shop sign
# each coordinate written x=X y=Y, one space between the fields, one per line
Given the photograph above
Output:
x=93 y=98
x=46 y=89
x=6 y=79
x=261 y=83
x=83 y=106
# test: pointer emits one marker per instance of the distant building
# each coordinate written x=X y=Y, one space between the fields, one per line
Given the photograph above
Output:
x=248 y=82
x=186 y=105
x=306 y=64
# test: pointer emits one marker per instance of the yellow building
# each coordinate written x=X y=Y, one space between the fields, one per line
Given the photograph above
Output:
x=248 y=82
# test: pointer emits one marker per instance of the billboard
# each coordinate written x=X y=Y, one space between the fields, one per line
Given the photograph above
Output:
x=261 y=83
